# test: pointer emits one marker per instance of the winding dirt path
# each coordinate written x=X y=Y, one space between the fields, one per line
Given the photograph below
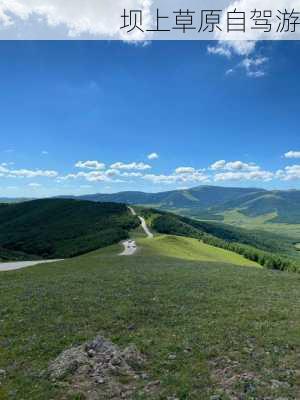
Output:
x=143 y=224
x=130 y=246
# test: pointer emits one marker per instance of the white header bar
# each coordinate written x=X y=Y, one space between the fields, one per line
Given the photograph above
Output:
x=143 y=20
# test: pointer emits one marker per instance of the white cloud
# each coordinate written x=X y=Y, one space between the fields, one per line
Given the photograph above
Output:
x=253 y=35
x=220 y=49
x=184 y=170
x=239 y=171
x=92 y=176
x=131 y=174
x=7 y=172
x=160 y=178
x=256 y=74
x=232 y=47
x=112 y=173
x=222 y=171
x=44 y=152
x=230 y=71
x=3 y=168
x=96 y=165
x=259 y=175
x=180 y=175
x=131 y=166
x=289 y=173
x=27 y=173
x=253 y=62
x=153 y=156
x=253 y=66
x=292 y=154
x=234 y=166
x=93 y=18
x=218 y=165
x=115 y=172
x=238 y=46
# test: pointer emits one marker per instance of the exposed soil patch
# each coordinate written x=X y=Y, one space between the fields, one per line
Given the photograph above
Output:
x=100 y=370
x=238 y=384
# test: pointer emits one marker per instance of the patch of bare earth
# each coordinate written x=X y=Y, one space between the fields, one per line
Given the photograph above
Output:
x=99 y=370
x=237 y=384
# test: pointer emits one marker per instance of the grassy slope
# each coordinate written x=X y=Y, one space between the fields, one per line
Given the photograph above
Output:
x=269 y=249
x=214 y=317
x=192 y=249
x=263 y=223
x=61 y=228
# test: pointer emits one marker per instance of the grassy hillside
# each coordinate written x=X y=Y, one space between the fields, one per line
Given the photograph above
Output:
x=192 y=249
x=60 y=228
x=284 y=204
x=207 y=330
x=266 y=248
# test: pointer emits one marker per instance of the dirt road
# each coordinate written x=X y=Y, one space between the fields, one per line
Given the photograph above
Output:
x=130 y=246
x=143 y=224
x=11 y=266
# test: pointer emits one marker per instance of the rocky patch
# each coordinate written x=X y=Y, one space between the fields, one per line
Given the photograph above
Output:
x=99 y=370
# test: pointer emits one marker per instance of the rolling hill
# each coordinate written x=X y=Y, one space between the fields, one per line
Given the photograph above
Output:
x=206 y=327
x=186 y=248
x=60 y=228
x=268 y=249
x=207 y=322
x=211 y=202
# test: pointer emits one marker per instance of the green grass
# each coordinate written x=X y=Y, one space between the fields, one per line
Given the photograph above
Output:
x=291 y=231
x=226 y=324
x=61 y=228
x=262 y=223
x=191 y=249
x=268 y=249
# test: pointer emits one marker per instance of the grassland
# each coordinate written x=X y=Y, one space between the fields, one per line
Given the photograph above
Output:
x=192 y=249
x=206 y=327
x=235 y=218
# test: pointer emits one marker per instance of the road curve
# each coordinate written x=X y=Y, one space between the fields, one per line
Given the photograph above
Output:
x=11 y=266
x=145 y=227
x=143 y=224
x=131 y=210
x=130 y=246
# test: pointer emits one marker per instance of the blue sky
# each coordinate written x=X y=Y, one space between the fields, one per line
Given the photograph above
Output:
x=229 y=119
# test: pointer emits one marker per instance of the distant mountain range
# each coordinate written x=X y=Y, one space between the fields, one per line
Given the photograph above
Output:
x=209 y=202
